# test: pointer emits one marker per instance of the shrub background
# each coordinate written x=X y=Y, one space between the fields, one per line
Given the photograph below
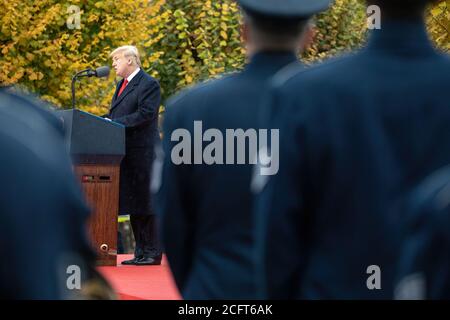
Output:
x=182 y=42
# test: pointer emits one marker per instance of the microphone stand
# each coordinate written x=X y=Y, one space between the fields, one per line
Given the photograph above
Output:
x=84 y=73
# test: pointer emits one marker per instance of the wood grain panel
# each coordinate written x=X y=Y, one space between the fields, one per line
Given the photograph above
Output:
x=100 y=184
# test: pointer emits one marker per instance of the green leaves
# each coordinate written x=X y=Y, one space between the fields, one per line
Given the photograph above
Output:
x=199 y=32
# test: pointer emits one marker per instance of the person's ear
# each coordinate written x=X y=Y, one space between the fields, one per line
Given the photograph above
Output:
x=308 y=36
x=247 y=38
x=245 y=32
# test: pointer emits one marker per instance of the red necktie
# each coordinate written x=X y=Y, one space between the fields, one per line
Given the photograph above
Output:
x=124 y=84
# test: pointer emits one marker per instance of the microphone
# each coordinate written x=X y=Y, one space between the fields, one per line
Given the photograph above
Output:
x=100 y=72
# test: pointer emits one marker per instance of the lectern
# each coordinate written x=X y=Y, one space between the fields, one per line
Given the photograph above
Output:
x=97 y=147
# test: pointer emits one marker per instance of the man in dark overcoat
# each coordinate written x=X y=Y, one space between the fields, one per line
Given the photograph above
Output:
x=135 y=105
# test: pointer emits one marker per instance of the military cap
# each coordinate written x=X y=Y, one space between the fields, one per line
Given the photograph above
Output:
x=287 y=9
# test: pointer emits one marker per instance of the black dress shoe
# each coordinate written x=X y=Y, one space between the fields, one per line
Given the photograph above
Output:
x=131 y=262
x=148 y=262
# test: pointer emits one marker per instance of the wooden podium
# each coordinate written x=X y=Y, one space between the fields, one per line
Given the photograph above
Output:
x=97 y=147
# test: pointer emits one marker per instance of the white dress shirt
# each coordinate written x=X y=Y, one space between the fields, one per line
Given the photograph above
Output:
x=131 y=76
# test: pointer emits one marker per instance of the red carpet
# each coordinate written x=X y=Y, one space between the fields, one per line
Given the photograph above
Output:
x=141 y=282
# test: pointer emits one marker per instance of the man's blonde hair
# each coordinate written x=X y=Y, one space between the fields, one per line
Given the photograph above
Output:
x=128 y=52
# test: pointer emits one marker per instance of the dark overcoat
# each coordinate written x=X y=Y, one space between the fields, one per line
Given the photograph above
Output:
x=137 y=109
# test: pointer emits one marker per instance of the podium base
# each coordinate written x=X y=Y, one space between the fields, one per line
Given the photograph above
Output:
x=100 y=184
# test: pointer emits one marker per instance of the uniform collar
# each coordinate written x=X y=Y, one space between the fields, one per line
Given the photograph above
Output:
x=406 y=37
x=271 y=60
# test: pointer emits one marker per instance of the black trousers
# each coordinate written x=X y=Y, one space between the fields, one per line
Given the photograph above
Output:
x=147 y=241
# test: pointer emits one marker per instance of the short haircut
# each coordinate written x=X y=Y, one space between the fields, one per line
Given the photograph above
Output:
x=398 y=8
x=129 y=52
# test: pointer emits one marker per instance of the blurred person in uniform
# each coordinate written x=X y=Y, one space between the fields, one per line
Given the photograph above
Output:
x=42 y=214
x=206 y=209
x=423 y=270
x=356 y=134
x=135 y=105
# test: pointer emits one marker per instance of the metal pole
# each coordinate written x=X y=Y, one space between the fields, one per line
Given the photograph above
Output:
x=74 y=79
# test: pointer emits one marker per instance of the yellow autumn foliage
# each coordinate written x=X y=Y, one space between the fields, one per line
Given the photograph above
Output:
x=182 y=41
x=40 y=51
